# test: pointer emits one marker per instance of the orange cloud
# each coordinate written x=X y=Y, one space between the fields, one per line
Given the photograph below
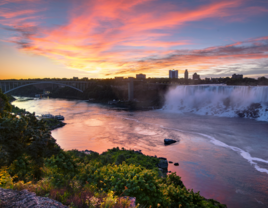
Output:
x=119 y=37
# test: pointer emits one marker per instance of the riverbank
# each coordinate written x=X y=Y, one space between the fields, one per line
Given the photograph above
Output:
x=83 y=178
x=54 y=123
x=79 y=179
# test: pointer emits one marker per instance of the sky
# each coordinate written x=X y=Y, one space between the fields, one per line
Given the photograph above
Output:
x=108 y=38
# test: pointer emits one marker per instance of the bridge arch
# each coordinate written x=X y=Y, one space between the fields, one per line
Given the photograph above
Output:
x=43 y=82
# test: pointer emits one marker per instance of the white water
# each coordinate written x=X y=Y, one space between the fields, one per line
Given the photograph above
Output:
x=244 y=154
x=217 y=100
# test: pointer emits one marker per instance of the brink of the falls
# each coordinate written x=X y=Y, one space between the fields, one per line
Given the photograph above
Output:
x=219 y=100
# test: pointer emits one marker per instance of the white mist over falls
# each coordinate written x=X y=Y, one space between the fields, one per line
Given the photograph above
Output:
x=219 y=100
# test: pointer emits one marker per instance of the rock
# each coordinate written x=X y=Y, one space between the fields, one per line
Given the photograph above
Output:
x=162 y=172
x=176 y=164
x=24 y=199
x=163 y=163
x=169 y=141
x=252 y=111
x=170 y=161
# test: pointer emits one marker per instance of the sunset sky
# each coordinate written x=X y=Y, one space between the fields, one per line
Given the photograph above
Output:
x=108 y=38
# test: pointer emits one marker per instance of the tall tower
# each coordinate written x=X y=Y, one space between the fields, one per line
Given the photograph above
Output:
x=186 y=74
x=173 y=74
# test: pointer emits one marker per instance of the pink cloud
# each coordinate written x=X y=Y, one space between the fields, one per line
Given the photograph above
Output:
x=117 y=35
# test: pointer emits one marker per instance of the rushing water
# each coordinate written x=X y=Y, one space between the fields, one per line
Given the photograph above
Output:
x=223 y=158
x=217 y=100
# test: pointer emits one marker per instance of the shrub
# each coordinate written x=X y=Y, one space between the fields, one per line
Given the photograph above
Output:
x=6 y=181
x=125 y=179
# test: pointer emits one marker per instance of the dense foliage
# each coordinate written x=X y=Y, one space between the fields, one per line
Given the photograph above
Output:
x=30 y=159
x=24 y=141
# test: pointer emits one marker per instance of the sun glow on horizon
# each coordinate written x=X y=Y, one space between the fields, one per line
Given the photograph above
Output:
x=103 y=39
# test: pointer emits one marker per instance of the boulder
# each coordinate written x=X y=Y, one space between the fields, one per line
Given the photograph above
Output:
x=163 y=164
x=24 y=199
x=170 y=161
x=169 y=141
x=176 y=164
x=251 y=111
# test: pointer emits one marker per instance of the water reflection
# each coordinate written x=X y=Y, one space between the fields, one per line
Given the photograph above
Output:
x=215 y=171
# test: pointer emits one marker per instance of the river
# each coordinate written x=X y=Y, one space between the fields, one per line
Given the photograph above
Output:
x=224 y=158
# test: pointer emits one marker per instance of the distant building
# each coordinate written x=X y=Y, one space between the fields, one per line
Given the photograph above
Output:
x=207 y=79
x=85 y=78
x=140 y=76
x=130 y=88
x=215 y=79
x=237 y=76
x=186 y=74
x=196 y=76
x=118 y=78
x=75 y=78
x=173 y=74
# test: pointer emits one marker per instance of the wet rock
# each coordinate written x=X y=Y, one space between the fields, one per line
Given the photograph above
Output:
x=176 y=164
x=162 y=172
x=252 y=111
x=170 y=161
x=169 y=141
x=163 y=163
x=25 y=199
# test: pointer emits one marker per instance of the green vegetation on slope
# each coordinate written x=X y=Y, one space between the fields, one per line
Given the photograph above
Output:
x=31 y=159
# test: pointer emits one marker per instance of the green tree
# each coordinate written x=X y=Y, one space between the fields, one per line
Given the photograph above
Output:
x=5 y=106
x=24 y=136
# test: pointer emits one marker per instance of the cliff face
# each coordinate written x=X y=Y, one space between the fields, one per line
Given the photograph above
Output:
x=25 y=199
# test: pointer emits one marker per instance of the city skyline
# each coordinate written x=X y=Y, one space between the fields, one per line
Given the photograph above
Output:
x=104 y=39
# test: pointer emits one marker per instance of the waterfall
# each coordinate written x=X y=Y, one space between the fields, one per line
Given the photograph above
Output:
x=219 y=100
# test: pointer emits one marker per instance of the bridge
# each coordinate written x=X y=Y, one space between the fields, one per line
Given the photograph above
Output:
x=8 y=86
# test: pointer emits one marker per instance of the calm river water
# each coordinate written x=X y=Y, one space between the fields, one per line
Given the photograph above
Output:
x=224 y=158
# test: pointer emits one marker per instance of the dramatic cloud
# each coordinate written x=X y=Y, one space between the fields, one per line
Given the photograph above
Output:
x=124 y=37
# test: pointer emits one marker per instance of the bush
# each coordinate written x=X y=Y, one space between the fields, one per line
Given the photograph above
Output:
x=129 y=180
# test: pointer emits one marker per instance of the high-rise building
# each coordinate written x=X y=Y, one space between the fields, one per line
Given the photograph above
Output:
x=186 y=74
x=140 y=76
x=196 y=76
x=237 y=76
x=173 y=74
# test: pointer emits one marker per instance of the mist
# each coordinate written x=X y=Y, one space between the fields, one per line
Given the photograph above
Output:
x=219 y=100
